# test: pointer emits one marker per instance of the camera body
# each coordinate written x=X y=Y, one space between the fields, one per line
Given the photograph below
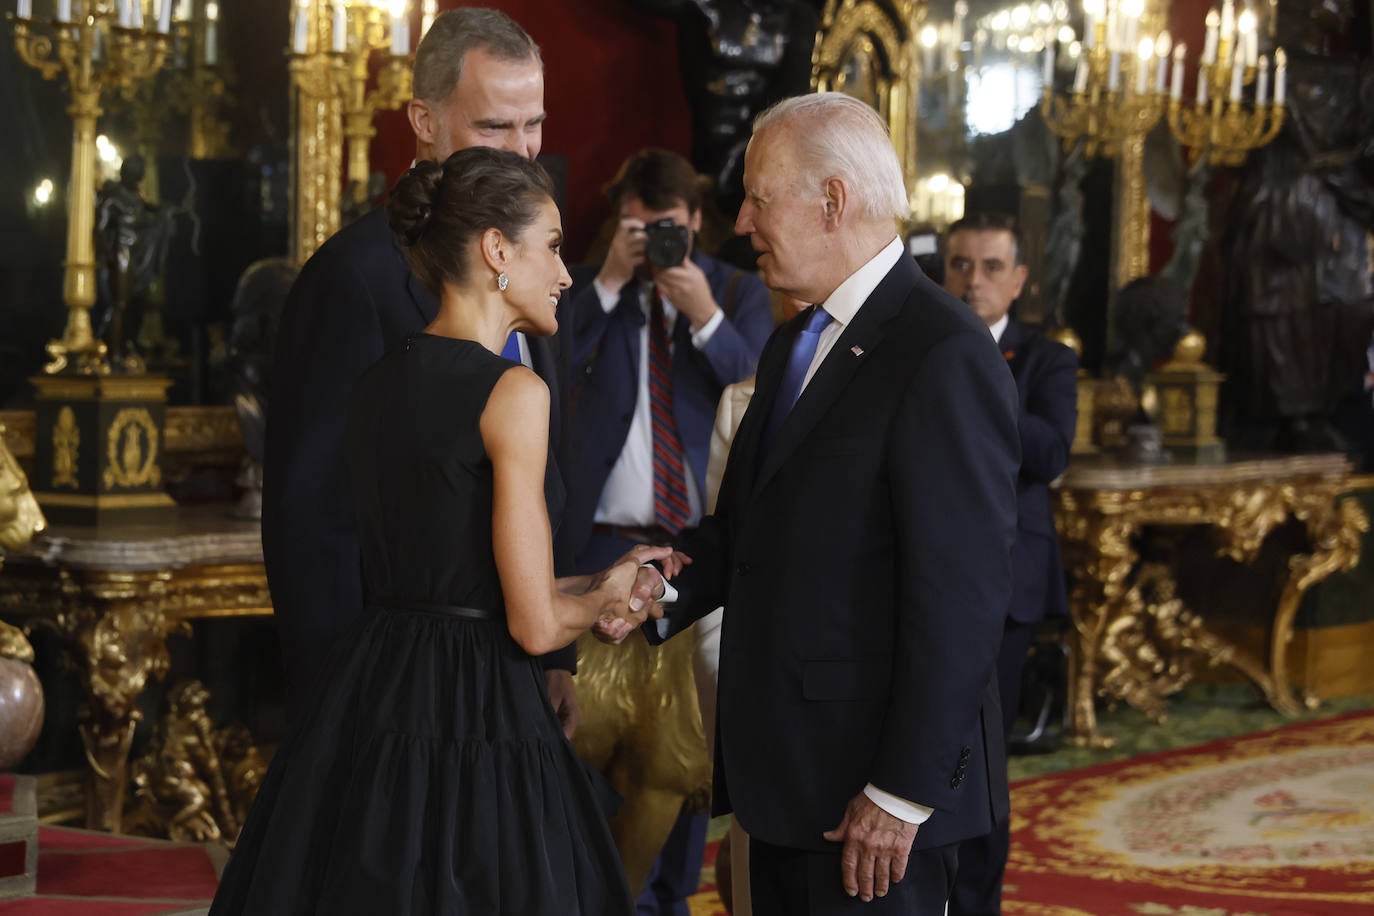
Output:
x=666 y=243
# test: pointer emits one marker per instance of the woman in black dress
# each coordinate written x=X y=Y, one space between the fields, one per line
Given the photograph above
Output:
x=431 y=775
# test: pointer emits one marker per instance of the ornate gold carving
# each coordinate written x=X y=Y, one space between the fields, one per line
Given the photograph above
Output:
x=113 y=654
x=196 y=782
x=66 y=442
x=1132 y=638
x=132 y=450
x=881 y=33
x=204 y=435
x=20 y=517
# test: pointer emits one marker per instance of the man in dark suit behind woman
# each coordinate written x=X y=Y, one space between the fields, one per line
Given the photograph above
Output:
x=983 y=267
x=479 y=81
x=861 y=543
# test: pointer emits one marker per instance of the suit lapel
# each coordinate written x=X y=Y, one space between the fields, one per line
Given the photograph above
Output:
x=859 y=339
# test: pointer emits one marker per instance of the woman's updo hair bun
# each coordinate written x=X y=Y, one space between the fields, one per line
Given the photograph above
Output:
x=437 y=211
x=412 y=201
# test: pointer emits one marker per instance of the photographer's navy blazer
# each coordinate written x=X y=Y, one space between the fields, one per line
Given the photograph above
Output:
x=603 y=352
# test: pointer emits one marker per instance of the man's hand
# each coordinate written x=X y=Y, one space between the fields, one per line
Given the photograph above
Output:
x=876 y=848
x=563 y=695
x=625 y=254
x=648 y=588
x=685 y=286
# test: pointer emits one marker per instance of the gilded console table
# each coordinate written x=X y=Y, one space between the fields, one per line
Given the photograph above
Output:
x=113 y=595
x=1131 y=638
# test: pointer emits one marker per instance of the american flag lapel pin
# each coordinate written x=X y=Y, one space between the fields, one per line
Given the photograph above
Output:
x=857 y=350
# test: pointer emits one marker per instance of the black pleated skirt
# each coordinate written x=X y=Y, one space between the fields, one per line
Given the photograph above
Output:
x=431 y=776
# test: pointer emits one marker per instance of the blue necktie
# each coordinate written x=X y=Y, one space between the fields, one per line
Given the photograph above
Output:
x=511 y=350
x=803 y=351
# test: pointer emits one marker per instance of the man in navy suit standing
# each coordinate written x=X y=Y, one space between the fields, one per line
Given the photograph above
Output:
x=861 y=543
x=479 y=81
x=653 y=340
x=983 y=267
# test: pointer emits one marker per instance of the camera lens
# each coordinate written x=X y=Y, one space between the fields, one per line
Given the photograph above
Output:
x=666 y=243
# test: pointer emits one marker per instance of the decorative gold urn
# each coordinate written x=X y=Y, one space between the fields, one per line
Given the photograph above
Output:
x=1186 y=391
x=98 y=447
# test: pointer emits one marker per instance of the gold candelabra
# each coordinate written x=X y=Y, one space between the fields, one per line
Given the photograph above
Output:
x=1117 y=98
x=332 y=52
x=96 y=45
x=1219 y=124
x=198 y=82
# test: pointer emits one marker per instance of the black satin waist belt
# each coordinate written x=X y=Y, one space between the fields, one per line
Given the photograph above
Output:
x=451 y=610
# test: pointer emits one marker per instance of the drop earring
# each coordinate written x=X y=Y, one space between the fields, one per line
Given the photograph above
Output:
x=502 y=281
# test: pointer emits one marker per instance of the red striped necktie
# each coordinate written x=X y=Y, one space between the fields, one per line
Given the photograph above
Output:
x=671 y=507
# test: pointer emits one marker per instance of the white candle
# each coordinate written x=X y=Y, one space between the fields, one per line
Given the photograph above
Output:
x=1114 y=73
x=1228 y=20
x=136 y=14
x=1201 y=87
x=400 y=32
x=430 y=10
x=1280 y=75
x=1209 y=48
x=1251 y=47
x=1142 y=66
x=64 y=10
x=1237 y=76
x=1080 y=77
x=24 y=9
x=164 y=16
x=300 y=35
x=1047 y=75
x=1176 y=90
x=340 y=26
x=1262 y=82
x=211 y=33
x=125 y=16
x=1162 y=66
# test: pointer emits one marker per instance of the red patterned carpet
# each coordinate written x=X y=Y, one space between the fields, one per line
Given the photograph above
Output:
x=1274 y=824
x=1279 y=823
x=85 y=873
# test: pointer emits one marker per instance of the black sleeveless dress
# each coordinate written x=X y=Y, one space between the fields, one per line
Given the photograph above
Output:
x=431 y=775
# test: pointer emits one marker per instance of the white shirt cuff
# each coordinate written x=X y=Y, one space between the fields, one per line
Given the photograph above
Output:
x=609 y=297
x=899 y=808
x=669 y=593
x=702 y=337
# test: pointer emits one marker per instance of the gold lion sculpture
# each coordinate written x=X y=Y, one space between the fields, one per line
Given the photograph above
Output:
x=641 y=727
x=21 y=695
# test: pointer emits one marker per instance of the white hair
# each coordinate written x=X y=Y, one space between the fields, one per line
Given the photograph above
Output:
x=838 y=135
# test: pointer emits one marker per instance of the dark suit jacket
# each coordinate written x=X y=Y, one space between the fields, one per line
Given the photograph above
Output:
x=354 y=300
x=603 y=368
x=864 y=559
x=1046 y=374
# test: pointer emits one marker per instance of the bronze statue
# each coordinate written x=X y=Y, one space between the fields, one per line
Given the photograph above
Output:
x=1295 y=303
x=131 y=240
x=256 y=308
x=736 y=57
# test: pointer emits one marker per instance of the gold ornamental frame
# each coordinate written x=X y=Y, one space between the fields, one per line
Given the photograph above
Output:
x=880 y=37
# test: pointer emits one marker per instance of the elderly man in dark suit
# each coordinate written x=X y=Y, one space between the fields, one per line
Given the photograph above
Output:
x=479 y=81
x=983 y=267
x=861 y=543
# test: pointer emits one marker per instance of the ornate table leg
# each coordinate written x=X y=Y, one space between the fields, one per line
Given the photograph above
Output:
x=1335 y=528
x=1099 y=555
x=112 y=652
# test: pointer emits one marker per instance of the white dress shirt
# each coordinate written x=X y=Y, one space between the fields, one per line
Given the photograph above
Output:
x=628 y=497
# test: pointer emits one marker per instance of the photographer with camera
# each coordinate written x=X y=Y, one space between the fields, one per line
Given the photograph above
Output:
x=650 y=346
